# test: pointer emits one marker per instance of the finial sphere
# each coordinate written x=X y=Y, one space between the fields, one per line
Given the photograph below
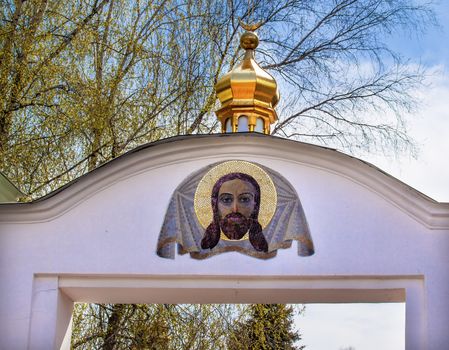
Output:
x=249 y=40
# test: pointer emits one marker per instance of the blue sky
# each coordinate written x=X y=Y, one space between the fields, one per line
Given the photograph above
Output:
x=429 y=126
x=381 y=326
x=429 y=172
x=429 y=48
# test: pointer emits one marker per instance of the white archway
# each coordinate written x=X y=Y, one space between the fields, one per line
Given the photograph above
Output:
x=376 y=240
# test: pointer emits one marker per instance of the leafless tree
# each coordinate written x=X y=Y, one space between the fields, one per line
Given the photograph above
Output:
x=83 y=82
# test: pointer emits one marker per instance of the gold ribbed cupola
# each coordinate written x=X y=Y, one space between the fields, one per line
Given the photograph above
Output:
x=247 y=94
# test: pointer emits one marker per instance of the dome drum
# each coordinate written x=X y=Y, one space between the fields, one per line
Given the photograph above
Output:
x=258 y=118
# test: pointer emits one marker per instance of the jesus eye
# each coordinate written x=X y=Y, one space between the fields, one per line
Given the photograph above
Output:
x=226 y=198
x=245 y=198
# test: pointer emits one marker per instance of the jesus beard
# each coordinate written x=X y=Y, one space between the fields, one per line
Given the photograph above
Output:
x=235 y=225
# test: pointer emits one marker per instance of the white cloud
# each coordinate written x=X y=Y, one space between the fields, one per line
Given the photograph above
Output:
x=362 y=326
x=429 y=173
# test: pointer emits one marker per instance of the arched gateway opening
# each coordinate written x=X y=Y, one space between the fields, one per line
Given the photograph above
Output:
x=195 y=289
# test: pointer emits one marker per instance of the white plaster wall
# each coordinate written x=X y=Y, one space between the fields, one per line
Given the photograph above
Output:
x=363 y=223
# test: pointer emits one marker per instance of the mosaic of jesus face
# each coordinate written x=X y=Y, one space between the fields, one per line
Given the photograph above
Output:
x=235 y=204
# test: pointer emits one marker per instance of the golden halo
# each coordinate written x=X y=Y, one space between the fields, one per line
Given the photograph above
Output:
x=203 y=193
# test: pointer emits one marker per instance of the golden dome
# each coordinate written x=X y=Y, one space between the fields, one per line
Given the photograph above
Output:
x=247 y=91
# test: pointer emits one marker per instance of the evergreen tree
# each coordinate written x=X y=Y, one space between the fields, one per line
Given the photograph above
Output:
x=269 y=326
